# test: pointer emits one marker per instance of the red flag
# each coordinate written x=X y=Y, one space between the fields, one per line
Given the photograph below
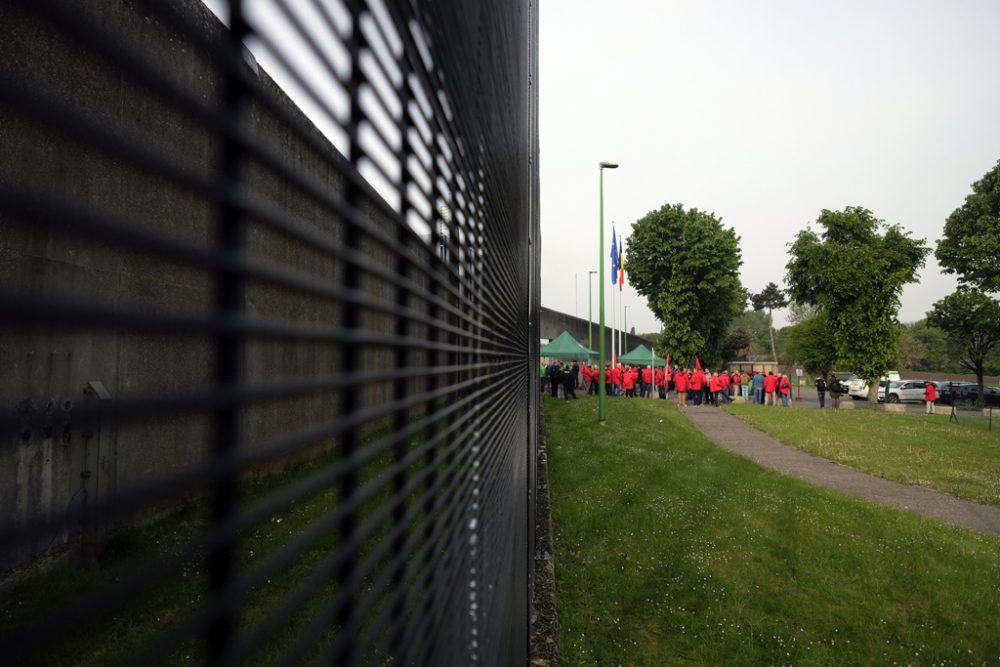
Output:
x=667 y=364
x=697 y=364
x=621 y=268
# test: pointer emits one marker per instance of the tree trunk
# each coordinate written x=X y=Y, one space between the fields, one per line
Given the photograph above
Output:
x=980 y=399
x=770 y=331
x=873 y=394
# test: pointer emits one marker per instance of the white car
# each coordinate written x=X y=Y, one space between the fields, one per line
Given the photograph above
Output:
x=858 y=390
x=905 y=391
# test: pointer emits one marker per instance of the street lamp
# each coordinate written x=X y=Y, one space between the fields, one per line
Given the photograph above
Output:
x=625 y=330
x=601 y=392
x=590 y=309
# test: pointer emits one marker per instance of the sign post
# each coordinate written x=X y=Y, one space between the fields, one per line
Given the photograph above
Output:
x=798 y=374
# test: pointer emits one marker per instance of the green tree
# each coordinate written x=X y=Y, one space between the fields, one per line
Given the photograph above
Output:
x=736 y=344
x=754 y=324
x=770 y=298
x=971 y=243
x=973 y=319
x=800 y=312
x=855 y=276
x=809 y=343
x=687 y=264
x=910 y=350
x=750 y=329
x=937 y=350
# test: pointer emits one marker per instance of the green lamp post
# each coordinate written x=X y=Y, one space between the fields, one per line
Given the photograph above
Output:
x=601 y=393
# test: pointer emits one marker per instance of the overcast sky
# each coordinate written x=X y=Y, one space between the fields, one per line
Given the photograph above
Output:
x=764 y=113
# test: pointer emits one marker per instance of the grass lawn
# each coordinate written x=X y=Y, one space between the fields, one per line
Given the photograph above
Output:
x=962 y=459
x=669 y=550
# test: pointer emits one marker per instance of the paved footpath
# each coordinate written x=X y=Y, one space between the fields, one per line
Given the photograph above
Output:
x=737 y=436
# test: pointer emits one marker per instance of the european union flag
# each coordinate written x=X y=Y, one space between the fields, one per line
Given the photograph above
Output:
x=614 y=256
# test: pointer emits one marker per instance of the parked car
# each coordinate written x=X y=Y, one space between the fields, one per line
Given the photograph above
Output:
x=852 y=384
x=861 y=392
x=840 y=377
x=969 y=393
x=882 y=385
x=946 y=387
x=904 y=391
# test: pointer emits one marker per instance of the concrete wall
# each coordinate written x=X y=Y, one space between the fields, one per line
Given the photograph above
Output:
x=46 y=370
x=554 y=323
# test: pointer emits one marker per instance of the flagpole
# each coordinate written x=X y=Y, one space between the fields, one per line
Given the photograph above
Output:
x=652 y=365
x=601 y=385
x=613 y=348
x=621 y=309
x=614 y=310
x=618 y=328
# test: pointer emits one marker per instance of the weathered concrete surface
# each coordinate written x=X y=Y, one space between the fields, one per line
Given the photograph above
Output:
x=552 y=323
x=730 y=433
x=52 y=469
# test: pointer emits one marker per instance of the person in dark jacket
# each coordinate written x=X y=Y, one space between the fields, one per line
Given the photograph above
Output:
x=836 y=389
x=555 y=378
x=821 y=390
x=569 y=383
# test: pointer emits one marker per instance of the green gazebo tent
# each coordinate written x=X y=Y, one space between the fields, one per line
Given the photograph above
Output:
x=564 y=346
x=641 y=356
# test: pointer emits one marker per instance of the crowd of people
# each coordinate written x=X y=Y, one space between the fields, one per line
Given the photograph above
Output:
x=691 y=386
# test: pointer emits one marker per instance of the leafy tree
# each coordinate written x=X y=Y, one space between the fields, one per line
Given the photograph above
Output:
x=938 y=355
x=855 y=276
x=748 y=337
x=754 y=324
x=770 y=298
x=971 y=243
x=800 y=312
x=973 y=319
x=736 y=344
x=687 y=264
x=810 y=344
x=910 y=350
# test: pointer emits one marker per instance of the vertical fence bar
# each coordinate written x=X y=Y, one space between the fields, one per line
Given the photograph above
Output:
x=349 y=400
x=229 y=344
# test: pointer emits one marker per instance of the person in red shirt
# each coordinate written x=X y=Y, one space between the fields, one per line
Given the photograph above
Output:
x=930 y=395
x=659 y=380
x=681 y=387
x=724 y=394
x=784 y=388
x=647 y=381
x=629 y=379
x=616 y=380
x=735 y=386
x=714 y=387
x=770 y=384
x=697 y=384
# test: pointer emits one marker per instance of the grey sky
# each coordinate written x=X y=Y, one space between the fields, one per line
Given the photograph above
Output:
x=764 y=113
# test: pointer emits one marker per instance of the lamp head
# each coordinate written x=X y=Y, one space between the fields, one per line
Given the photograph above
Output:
x=609 y=165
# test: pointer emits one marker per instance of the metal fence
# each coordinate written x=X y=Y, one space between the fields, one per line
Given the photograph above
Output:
x=268 y=296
